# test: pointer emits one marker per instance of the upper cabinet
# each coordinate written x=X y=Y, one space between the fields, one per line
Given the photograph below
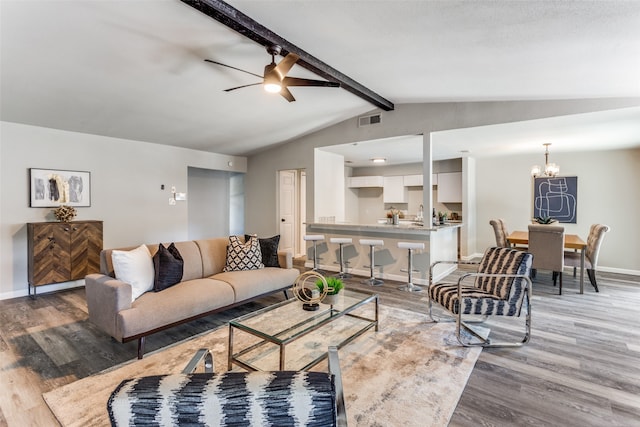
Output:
x=365 y=181
x=395 y=190
x=450 y=187
x=413 y=180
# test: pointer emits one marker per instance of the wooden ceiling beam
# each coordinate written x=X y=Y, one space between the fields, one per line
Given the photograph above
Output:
x=241 y=23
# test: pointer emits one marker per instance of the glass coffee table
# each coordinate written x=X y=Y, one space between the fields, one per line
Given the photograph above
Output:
x=284 y=336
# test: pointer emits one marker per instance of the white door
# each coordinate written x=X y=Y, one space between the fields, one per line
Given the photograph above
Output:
x=287 y=209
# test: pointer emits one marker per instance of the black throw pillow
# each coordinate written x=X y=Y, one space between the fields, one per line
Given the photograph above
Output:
x=169 y=267
x=269 y=249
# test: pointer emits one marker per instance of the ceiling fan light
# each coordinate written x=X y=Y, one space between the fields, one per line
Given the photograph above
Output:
x=272 y=87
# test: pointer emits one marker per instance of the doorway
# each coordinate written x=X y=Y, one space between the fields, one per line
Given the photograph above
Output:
x=292 y=209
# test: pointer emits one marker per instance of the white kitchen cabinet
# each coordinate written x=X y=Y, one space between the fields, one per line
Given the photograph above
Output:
x=434 y=179
x=450 y=187
x=413 y=180
x=365 y=181
x=394 y=190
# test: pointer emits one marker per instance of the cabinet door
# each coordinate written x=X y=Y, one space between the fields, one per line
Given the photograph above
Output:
x=413 y=180
x=394 y=190
x=364 y=181
x=86 y=244
x=49 y=255
x=450 y=187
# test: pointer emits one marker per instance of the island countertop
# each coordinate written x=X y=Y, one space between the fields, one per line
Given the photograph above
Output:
x=411 y=228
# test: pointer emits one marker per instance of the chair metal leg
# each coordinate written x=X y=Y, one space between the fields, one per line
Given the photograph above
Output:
x=315 y=258
x=372 y=281
x=410 y=287
x=201 y=354
x=334 y=369
x=342 y=274
x=486 y=342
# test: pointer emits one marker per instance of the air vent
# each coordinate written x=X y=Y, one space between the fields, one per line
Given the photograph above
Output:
x=368 y=120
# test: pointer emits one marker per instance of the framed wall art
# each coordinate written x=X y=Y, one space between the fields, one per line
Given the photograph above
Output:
x=557 y=198
x=53 y=188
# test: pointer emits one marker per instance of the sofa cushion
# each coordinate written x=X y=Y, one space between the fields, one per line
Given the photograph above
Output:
x=134 y=267
x=168 y=266
x=243 y=255
x=214 y=255
x=269 y=249
x=251 y=283
x=182 y=301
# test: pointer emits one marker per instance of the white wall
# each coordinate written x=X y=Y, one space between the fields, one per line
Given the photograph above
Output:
x=125 y=189
x=607 y=194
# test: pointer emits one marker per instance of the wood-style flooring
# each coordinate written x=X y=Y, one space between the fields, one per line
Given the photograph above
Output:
x=581 y=368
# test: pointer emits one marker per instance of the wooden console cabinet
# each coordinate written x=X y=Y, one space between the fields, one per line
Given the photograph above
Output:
x=62 y=251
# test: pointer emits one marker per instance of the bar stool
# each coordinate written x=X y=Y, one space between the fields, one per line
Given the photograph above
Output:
x=410 y=246
x=314 y=238
x=342 y=241
x=372 y=243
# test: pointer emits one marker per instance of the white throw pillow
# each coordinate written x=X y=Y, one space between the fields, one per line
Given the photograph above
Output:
x=134 y=267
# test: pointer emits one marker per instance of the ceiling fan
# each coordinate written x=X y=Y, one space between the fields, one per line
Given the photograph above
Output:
x=275 y=78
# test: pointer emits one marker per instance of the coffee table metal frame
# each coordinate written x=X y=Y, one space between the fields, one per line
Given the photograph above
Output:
x=312 y=323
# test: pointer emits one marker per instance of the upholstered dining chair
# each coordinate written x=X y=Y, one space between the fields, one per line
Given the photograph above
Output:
x=500 y=230
x=546 y=243
x=594 y=241
x=501 y=286
x=275 y=398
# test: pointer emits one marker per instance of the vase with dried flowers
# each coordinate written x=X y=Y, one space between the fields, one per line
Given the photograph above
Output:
x=65 y=213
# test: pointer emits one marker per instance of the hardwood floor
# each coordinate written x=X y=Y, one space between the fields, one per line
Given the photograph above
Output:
x=581 y=368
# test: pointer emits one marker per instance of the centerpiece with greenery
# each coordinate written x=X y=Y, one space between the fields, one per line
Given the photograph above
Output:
x=544 y=220
x=334 y=286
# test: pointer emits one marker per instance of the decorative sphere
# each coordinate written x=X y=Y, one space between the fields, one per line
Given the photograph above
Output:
x=305 y=289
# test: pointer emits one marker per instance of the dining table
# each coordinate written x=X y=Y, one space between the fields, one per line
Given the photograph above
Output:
x=571 y=241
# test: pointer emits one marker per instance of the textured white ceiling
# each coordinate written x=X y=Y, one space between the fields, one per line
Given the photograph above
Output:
x=134 y=69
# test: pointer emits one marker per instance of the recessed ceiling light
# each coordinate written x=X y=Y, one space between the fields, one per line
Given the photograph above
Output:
x=378 y=160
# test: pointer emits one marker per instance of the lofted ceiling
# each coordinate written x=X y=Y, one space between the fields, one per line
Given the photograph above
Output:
x=135 y=69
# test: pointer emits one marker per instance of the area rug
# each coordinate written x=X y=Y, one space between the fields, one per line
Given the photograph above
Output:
x=410 y=373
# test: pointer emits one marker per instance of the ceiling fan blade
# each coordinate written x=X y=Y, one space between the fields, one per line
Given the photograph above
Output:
x=285 y=65
x=240 y=87
x=286 y=94
x=296 y=81
x=234 y=68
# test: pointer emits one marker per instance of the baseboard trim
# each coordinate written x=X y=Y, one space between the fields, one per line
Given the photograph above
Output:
x=45 y=289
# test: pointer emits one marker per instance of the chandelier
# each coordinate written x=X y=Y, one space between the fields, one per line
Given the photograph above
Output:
x=550 y=169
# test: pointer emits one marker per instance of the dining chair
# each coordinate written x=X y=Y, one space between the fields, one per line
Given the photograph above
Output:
x=594 y=241
x=500 y=230
x=546 y=243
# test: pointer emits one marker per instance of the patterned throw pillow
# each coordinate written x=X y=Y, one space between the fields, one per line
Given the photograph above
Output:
x=243 y=256
x=269 y=249
x=168 y=265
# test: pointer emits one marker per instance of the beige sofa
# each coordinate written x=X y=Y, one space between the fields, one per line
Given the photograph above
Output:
x=204 y=289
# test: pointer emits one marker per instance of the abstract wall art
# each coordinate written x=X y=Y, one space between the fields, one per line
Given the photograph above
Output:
x=556 y=198
x=52 y=188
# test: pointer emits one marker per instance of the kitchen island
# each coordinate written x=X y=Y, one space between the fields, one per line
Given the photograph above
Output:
x=441 y=243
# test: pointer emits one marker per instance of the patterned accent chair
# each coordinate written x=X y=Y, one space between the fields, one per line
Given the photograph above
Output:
x=594 y=241
x=500 y=230
x=500 y=287
x=279 y=398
